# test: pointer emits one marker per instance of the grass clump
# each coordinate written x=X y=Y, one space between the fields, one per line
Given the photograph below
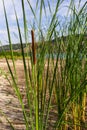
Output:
x=56 y=74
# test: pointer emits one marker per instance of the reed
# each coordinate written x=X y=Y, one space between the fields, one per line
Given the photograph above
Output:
x=56 y=74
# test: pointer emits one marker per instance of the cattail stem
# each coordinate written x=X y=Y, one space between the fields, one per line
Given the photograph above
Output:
x=33 y=47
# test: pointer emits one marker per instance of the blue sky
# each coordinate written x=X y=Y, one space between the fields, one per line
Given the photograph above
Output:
x=30 y=19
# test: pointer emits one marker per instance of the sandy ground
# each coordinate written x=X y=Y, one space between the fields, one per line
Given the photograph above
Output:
x=9 y=104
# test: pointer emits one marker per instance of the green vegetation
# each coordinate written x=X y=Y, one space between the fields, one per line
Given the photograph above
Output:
x=8 y=55
x=54 y=85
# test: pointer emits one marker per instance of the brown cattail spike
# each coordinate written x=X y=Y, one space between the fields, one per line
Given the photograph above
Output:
x=33 y=47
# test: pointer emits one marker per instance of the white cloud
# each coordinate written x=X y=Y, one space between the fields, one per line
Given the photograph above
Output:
x=13 y=18
x=1 y=6
x=4 y=32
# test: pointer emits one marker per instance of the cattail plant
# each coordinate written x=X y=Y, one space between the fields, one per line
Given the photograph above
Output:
x=33 y=47
x=55 y=77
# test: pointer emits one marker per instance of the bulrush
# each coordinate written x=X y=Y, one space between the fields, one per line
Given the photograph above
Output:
x=33 y=47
